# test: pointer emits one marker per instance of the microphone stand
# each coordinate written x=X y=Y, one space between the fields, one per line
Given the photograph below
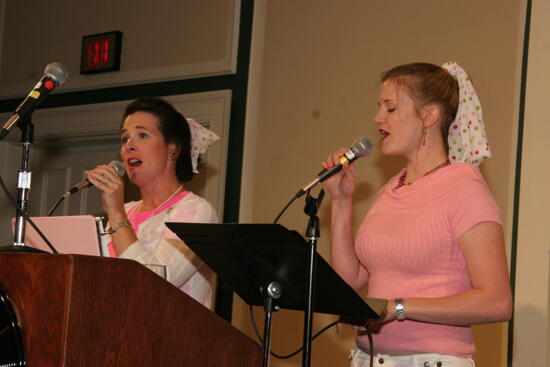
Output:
x=312 y=234
x=272 y=293
x=23 y=190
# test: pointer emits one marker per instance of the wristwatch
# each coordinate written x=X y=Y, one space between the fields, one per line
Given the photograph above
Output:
x=400 y=309
x=116 y=226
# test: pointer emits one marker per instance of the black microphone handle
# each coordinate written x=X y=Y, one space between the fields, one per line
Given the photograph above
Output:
x=322 y=176
x=84 y=184
x=55 y=74
x=327 y=172
x=27 y=106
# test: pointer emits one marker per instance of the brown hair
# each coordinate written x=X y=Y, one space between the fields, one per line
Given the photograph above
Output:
x=428 y=84
x=173 y=127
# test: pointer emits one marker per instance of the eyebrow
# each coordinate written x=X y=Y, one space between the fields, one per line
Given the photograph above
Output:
x=137 y=127
x=386 y=101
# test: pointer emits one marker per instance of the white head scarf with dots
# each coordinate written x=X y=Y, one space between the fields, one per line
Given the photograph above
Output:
x=201 y=139
x=467 y=139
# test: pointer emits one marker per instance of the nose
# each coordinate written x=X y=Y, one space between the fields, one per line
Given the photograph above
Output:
x=129 y=146
x=378 y=118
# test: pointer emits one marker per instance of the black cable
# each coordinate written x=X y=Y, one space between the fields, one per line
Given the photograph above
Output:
x=371 y=346
x=296 y=351
x=55 y=205
x=24 y=215
x=284 y=209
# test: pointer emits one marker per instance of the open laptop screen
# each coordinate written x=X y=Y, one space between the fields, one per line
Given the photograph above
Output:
x=77 y=234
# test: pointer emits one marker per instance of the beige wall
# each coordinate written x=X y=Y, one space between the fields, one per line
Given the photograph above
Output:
x=317 y=88
x=532 y=304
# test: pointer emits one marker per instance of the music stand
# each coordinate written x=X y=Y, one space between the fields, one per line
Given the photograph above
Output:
x=266 y=265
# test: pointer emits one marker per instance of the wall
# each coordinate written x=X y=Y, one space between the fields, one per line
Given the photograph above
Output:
x=532 y=304
x=318 y=85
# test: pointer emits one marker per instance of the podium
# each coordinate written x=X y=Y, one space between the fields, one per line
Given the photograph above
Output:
x=89 y=311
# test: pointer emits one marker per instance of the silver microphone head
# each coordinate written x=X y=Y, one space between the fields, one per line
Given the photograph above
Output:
x=57 y=72
x=119 y=167
x=361 y=147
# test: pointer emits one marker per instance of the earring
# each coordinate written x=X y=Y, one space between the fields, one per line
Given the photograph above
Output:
x=424 y=137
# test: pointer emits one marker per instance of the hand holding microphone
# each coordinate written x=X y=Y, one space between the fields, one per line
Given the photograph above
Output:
x=342 y=184
x=360 y=148
x=118 y=166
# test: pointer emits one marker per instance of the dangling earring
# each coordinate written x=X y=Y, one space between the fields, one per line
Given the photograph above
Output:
x=424 y=137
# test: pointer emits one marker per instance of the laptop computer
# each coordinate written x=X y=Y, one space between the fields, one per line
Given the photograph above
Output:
x=78 y=234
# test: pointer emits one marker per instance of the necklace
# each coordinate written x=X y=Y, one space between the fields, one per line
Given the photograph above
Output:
x=404 y=175
x=162 y=204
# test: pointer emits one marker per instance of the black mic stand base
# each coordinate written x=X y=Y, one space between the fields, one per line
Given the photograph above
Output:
x=21 y=248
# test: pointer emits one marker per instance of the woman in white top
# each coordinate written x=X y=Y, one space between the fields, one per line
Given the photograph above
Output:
x=159 y=148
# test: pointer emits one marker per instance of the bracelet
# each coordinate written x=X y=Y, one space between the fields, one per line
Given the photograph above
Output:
x=400 y=309
x=116 y=226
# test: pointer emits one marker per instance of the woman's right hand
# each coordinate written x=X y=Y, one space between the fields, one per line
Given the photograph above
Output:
x=342 y=184
x=106 y=179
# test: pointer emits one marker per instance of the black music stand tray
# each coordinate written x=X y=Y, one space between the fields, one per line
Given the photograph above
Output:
x=267 y=264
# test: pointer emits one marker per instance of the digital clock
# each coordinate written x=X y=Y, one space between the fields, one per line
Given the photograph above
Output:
x=101 y=52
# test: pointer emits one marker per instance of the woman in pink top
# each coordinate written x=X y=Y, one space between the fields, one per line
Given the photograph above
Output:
x=159 y=148
x=432 y=241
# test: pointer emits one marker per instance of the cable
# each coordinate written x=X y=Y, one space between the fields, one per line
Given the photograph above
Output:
x=371 y=346
x=296 y=351
x=24 y=215
x=55 y=206
x=284 y=209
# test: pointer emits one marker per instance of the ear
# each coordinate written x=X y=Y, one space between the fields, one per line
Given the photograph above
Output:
x=173 y=150
x=431 y=115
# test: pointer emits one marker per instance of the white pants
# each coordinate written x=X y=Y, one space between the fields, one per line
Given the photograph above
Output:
x=361 y=359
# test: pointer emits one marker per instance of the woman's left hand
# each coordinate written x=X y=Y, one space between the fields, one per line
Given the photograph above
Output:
x=106 y=179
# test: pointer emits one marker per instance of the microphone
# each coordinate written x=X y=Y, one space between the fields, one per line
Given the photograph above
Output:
x=84 y=184
x=361 y=147
x=55 y=74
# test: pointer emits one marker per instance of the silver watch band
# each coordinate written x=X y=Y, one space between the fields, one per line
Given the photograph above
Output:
x=400 y=309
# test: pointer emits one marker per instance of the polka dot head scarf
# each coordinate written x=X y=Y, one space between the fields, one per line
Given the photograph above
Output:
x=467 y=139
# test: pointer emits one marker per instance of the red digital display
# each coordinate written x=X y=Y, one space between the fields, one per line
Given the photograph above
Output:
x=101 y=52
x=98 y=52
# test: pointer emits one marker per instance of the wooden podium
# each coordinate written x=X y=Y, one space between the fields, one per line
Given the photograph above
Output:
x=89 y=311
